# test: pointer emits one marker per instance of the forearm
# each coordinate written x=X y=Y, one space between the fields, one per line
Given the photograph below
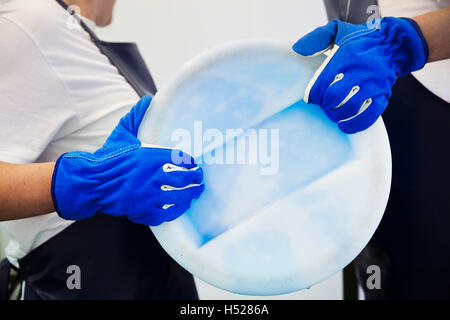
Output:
x=25 y=190
x=435 y=27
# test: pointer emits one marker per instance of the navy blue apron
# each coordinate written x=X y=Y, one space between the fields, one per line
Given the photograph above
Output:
x=412 y=243
x=125 y=57
x=117 y=259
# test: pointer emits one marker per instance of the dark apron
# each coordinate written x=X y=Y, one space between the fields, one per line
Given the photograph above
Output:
x=117 y=259
x=125 y=57
x=412 y=243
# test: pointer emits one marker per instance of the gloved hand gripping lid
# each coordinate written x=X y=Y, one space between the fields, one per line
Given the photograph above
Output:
x=148 y=184
x=354 y=83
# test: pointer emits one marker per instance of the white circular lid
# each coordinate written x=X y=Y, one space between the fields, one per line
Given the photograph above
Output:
x=289 y=199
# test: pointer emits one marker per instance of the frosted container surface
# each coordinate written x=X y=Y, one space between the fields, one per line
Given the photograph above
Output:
x=289 y=199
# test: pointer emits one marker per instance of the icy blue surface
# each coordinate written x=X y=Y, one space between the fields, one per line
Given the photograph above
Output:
x=251 y=90
x=237 y=91
x=288 y=215
x=309 y=148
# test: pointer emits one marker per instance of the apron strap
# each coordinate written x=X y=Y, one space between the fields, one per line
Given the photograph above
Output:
x=124 y=56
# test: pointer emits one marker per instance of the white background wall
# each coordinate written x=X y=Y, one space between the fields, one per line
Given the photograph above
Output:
x=170 y=32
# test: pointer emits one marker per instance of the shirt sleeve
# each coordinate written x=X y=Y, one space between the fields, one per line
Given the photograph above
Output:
x=34 y=104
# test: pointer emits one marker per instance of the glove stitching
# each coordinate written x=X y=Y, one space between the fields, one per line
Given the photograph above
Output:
x=354 y=32
x=357 y=36
x=108 y=156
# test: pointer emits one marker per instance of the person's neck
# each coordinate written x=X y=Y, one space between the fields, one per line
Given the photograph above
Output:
x=88 y=8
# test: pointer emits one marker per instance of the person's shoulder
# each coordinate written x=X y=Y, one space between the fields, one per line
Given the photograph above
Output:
x=33 y=38
x=39 y=19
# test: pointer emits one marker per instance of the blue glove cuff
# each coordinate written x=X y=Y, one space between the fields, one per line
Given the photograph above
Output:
x=55 y=172
x=68 y=182
x=407 y=46
x=421 y=36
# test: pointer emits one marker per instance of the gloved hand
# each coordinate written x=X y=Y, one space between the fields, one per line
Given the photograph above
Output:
x=147 y=184
x=354 y=82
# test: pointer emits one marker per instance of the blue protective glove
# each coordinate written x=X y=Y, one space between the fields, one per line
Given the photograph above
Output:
x=147 y=184
x=354 y=83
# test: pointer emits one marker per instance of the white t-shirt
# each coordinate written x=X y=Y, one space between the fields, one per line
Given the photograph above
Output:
x=58 y=93
x=435 y=76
